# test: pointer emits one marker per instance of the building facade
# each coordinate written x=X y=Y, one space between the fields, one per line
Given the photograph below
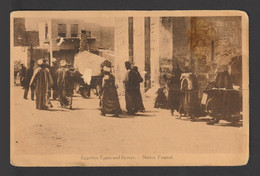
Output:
x=157 y=44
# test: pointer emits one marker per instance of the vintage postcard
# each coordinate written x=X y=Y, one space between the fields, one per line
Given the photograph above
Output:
x=129 y=88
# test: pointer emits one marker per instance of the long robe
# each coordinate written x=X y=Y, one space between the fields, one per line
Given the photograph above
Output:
x=43 y=81
x=189 y=97
x=53 y=70
x=138 y=97
x=132 y=93
x=174 y=96
x=109 y=98
x=28 y=77
x=63 y=86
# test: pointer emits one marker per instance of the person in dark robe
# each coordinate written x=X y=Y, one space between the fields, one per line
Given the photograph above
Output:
x=22 y=74
x=28 y=77
x=161 y=99
x=138 y=98
x=53 y=70
x=174 y=96
x=43 y=81
x=71 y=83
x=132 y=89
x=63 y=85
x=174 y=84
x=129 y=94
x=109 y=96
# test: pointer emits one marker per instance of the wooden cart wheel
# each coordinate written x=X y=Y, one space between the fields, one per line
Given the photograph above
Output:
x=211 y=107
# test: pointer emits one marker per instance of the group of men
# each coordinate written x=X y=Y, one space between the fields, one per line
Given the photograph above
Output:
x=45 y=78
x=182 y=97
x=133 y=98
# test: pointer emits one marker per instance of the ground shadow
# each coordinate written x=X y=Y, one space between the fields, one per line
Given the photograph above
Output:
x=53 y=110
x=200 y=120
x=149 y=111
x=239 y=124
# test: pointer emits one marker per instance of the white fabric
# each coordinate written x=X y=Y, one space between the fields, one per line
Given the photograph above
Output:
x=40 y=62
x=87 y=75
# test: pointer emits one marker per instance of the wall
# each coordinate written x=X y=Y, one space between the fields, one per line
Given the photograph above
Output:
x=165 y=46
x=107 y=37
x=20 y=53
x=121 y=50
x=19 y=32
x=225 y=32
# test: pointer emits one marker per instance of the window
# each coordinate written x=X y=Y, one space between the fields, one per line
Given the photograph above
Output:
x=83 y=31
x=74 y=30
x=62 y=30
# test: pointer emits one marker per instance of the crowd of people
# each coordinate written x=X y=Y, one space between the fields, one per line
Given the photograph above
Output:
x=46 y=81
x=57 y=81
x=179 y=93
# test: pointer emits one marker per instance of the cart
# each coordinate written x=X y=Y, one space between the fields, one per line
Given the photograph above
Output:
x=222 y=104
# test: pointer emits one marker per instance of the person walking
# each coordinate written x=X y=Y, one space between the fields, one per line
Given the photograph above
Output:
x=189 y=98
x=43 y=81
x=28 y=77
x=109 y=96
x=63 y=84
x=138 y=99
x=22 y=74
x=174 y=96
x=53 y=70
x=129 y=96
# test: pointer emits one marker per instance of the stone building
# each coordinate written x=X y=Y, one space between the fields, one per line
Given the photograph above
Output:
x=157 y=44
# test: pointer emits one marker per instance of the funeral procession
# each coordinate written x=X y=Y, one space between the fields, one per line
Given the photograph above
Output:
x=164 y=81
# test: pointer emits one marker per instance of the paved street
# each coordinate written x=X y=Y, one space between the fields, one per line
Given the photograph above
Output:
x=84 y=131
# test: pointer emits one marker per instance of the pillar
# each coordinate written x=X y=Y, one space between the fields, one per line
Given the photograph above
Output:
x=155 y=64
x=139 y=46
x=121 y=50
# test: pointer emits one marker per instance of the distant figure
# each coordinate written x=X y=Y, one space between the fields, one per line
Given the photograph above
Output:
x=138 y=98
x=71 y=80
x=43 y=81
x=161 y=98
x=53 y=70
x=22 y=74
x=28 y=77
x=109 y=97
x=223 y=80
x=63 y=85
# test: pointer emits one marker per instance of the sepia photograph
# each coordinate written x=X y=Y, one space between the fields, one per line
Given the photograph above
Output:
x=129 y=88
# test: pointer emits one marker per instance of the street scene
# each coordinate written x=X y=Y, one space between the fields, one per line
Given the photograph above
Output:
x=81 y=130
x=148 y=87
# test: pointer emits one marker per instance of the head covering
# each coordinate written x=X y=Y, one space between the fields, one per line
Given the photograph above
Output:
x=106 y=69
x=44 y=60
x=127 y=65
x=63 y=63
x=54 y=59
x=135 y=68
x=40 y=62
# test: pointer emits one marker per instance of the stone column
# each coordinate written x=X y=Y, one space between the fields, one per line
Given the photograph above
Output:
x=139 y=47
x=155 y=64
x=121 y=50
